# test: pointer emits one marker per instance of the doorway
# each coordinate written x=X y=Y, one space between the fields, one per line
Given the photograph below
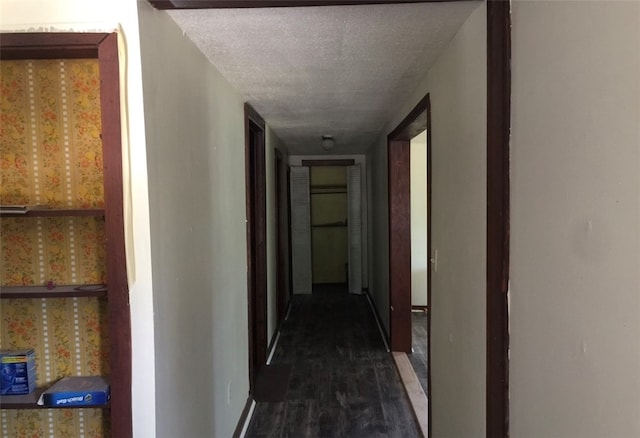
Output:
x=329 y=210
x=421 y=260
x=400 y=245
x=326 y=224
x=256 y=242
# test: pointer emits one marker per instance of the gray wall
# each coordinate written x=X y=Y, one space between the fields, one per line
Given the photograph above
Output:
x=575 y=225
x=457 y=86
x=195 y=149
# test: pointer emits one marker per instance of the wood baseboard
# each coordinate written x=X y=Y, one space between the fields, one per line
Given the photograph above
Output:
x=244 y=419
x=424 y=309
x=376 y=315
x=415 y=393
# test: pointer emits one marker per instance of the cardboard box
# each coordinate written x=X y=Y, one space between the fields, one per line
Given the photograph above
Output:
x=77 y=391
x=17 y=372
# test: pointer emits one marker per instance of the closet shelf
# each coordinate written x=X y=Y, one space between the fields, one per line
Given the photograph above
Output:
x=328 y=186
x=59 y=291
x=329 y=226
x=328 y=189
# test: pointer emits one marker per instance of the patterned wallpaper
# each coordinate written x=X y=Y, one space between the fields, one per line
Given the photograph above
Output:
x=50 y=154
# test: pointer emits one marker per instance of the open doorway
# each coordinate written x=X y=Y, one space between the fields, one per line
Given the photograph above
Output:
x=400 y=232
x=420 y=254
x=326 y=225
x=329 y=210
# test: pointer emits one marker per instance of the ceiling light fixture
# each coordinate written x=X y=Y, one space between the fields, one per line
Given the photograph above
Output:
x=327 y=142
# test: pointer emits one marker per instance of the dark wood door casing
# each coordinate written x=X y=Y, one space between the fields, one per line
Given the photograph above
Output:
x=498 y=210
x=399 y=245
x=282 y=295
x=256 y=241
x=399 y=187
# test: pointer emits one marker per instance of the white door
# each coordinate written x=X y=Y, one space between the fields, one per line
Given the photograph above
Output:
x=300 y=230
x=354 y=230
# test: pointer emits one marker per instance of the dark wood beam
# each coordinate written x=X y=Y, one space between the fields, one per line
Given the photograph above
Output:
x=498 y=128
x=50 y=45
x=220 y=4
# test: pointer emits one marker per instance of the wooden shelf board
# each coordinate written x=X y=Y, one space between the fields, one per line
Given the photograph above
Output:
x=329 y=226
x=328 y=186
x=329 y=193
x=57 y=212
x=29 y=401
x=60 y=291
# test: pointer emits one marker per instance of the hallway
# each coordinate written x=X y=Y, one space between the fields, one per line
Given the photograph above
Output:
x=343 y=381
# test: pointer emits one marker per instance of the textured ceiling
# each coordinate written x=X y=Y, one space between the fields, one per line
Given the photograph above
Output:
x=338 y=70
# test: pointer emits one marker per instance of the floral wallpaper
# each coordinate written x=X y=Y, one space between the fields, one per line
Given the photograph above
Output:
x=51 y=154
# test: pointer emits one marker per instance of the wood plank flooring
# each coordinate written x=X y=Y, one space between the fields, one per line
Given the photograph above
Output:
x=419 y=343
x=343 y=381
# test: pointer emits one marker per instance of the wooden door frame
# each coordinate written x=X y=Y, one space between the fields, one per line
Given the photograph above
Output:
x=104 y=47
x=281 y=192
x=498 y=214
x=398 y=162
x=255 y=172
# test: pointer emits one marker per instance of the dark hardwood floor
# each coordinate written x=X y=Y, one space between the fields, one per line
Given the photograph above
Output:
x=343 y=381
x=419 y=343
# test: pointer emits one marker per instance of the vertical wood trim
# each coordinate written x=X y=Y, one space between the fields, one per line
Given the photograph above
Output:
x=250 y=265
x=261 y=245
x=118 y=302
x=282 y=298
x=255 y=180
x=429 y=255
x=498 y=125
x=399 y=244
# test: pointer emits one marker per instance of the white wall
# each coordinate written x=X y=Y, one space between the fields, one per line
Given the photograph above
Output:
x=457 y=88
x=195 y=137
x=100 y=16
x=575 y=220
x=419 y=255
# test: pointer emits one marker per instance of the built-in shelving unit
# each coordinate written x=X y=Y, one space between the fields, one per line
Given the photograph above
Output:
x=63 y=291
x=114 y=299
